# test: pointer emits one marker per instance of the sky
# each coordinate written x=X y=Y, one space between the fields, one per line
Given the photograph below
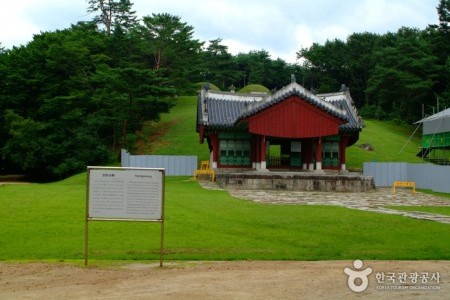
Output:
x=281 y=27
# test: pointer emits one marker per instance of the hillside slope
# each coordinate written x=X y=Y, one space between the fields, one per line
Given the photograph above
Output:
x=175 y=135
x=387 y=141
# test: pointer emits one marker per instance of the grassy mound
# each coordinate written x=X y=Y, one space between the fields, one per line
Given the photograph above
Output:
x=212 y=86
x=254 y=88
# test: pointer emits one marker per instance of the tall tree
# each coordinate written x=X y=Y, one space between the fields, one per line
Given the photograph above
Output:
x=126 y=17
x=52 y=74
x=360 y=47
x=404 y=77
x=443 y=10
x=329 y=62
x=66 y=102
x=129 y=96
x=167 y=36
x=172 y=47
x=440 y=39
x=218 y=64
x=112 y=13
x=255 y=67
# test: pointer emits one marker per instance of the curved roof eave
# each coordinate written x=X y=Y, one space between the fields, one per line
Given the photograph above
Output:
x=292 y=89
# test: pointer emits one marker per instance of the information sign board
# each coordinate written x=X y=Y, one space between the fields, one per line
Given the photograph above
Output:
x=133 y=194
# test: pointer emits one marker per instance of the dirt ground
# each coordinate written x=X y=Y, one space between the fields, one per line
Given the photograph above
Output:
x=218 y=280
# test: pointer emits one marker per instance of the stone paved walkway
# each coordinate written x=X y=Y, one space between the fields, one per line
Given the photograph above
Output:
x=375 y=201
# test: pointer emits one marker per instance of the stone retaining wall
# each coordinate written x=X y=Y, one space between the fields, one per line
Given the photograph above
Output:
x=296 y=182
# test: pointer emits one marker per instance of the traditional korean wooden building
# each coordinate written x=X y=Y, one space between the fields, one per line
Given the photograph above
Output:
x=291 y=129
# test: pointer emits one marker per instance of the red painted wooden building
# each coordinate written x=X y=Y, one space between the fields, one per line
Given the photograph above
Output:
x=291 y=129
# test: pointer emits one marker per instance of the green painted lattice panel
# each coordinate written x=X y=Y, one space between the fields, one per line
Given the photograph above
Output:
x=234 y=152
x=332 y=138
x=234 y=135
x=330 y=154
x=437 y=140
x=295 y=159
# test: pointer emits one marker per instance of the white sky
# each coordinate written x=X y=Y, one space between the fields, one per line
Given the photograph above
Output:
x=282 y=27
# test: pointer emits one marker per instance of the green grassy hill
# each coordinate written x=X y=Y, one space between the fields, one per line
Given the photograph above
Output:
x=175 y=134
x=389 y=142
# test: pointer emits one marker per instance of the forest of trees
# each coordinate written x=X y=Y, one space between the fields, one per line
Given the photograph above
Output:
x=75 y=96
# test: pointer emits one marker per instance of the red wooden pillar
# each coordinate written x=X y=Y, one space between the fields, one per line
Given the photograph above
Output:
x=254 y=151
x=342 y=148
x=304 y=154
x=263 y=153
x=319 y=154
x=215 y=150
x=257 y=152
x=311 y=155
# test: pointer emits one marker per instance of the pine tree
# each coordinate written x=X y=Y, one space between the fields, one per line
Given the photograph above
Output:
x=113 y=13
x=444 y=14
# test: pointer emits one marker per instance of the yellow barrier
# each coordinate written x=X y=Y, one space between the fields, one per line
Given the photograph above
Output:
x=404 y=184
x=205 y=170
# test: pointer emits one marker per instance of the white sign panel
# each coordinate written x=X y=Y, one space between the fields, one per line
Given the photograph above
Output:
x=296 y=146
x=133 y=194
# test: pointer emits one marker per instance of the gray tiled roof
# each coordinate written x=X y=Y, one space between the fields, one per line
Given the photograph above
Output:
x=344 y=101
x=353 y=124
x=224 y=112
x=219 y=109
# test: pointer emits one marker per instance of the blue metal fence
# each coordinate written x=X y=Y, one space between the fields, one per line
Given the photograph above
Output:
x=426 y=176
x=175 y=165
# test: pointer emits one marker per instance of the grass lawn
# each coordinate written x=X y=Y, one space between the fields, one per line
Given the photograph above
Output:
x=46 y=221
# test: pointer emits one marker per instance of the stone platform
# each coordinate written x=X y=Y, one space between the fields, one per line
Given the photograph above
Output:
x=325 y=181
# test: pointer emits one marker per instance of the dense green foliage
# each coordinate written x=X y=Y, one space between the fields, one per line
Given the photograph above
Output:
x=46 y=221
x=75 y=96
x=391 y=76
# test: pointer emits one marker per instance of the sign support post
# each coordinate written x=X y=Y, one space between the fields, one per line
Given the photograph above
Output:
x=161 y=252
